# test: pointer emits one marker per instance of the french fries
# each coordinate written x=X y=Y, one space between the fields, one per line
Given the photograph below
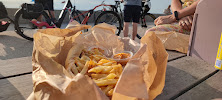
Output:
x=107 y=89
x=110 y=92
x=106 y=82
x=104 y=71
x=98 y=76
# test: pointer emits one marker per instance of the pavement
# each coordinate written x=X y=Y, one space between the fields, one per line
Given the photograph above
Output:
x=182 y=72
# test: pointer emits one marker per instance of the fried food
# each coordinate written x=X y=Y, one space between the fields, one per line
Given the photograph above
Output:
x=123 y=57
x=105 y=72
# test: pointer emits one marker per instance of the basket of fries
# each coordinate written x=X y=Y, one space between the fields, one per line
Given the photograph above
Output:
x=69 y=64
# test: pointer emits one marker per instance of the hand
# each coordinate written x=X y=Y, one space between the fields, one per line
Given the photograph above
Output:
x=186 y=22
x=164 y=20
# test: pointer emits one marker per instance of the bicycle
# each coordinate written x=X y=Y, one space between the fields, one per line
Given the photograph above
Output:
x=117 y=8
x=5 y=19
x=112 y=15
x=28 y=12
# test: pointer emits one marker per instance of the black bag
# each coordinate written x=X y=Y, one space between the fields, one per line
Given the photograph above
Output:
x=31 y=11
x=3 y=11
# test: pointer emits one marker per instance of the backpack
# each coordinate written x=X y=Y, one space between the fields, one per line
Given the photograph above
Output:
x=31 y=11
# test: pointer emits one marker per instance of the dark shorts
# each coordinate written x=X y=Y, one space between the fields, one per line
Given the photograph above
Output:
x=132 y=13
x=48 y=4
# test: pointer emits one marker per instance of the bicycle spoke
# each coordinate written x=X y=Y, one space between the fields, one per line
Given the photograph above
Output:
x=111 y=18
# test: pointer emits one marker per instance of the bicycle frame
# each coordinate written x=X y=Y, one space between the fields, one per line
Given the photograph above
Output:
x=117 y=5
x=90 y=12
x=67 y=8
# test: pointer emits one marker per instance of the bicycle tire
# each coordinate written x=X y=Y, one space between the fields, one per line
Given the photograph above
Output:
x=20 y=24
x=151 y=15
x=147 y=16
x=105 y=14
x=79 y=18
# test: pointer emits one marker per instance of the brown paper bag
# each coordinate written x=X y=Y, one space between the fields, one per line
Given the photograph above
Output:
x=143 y=76
x=174 y=40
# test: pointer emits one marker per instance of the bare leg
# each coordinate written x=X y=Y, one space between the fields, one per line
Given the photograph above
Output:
x=53 y=14
x=39 y=18
x=126 y=29
x=134 y=30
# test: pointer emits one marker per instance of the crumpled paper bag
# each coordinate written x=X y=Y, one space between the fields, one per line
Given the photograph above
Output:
x=174 y=40
x=143 y=76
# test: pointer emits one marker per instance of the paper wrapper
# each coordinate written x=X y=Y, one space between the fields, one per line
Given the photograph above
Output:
x=143 y=76
x=174 y=41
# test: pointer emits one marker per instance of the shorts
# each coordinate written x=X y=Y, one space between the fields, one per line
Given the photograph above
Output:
x=48 y=4
x=132 y=13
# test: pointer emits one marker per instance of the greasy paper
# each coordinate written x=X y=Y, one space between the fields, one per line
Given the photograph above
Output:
x=174 y=40
x=143 y=77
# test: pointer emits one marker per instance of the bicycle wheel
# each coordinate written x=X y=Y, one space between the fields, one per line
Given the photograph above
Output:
x=111 y=18
x=147 y=19
x=24 y=27
x=76 y=16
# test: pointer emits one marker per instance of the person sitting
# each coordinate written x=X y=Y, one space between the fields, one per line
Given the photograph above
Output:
x=167 y=11
x=181 y=18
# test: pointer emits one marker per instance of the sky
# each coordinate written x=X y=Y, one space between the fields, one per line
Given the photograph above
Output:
x=157 y=6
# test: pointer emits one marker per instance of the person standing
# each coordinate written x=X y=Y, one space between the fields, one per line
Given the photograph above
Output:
x=132 y=10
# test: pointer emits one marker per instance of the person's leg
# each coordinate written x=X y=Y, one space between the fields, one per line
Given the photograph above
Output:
x=136 y=16
x=127 y=20
x=53 y=14
x=134 y=30
x=126 y=29
x=40 y=17
x=51 y=8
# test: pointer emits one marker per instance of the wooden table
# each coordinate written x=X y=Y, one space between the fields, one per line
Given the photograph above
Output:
x=182 y=71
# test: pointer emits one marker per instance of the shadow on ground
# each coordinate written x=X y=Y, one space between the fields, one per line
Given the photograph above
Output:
x=9 y=91
x=14 y=47
x=176 y=80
